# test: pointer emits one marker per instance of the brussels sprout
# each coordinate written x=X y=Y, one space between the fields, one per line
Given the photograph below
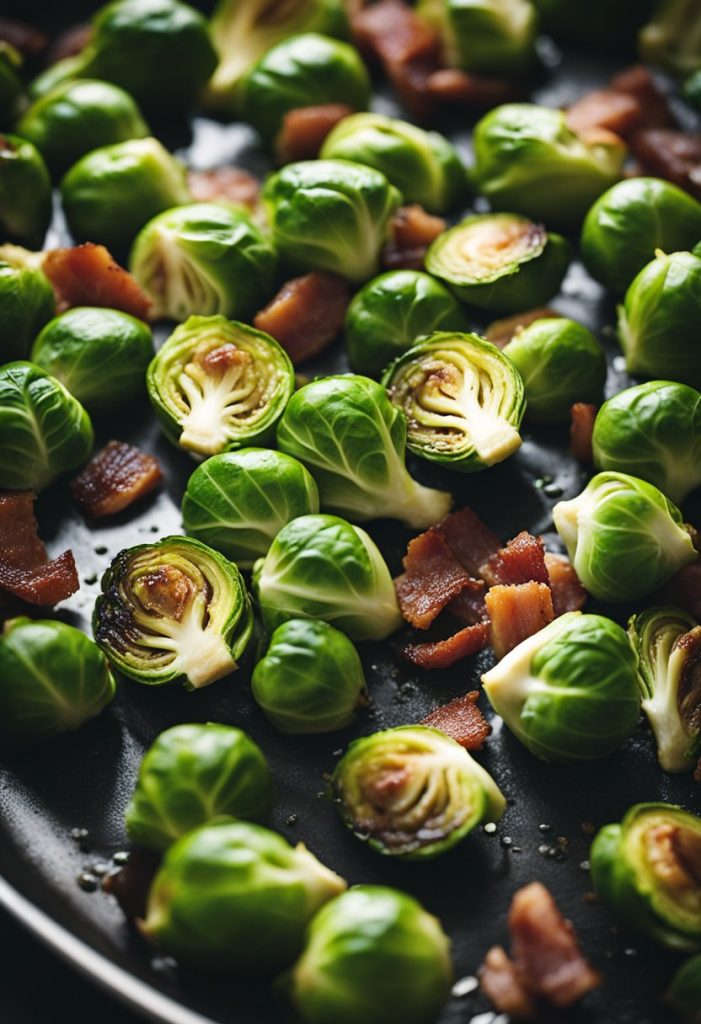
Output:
x=692 y=93
x=653 y=430
x=561 y=363
x=44 y=431
x=100 y=355
x=672 y=38
x=53 y=679
x=569 y=692
x=373 y=954
x=77 y=117
x=500 y=262
x=217 y=384
x=528 y=160
x=110 y=193
x=413 y=792
x=657 y=321
x=233 y=896
x=330 y=215
x=202 y=259
x=192 y=774
x=27 y=302
x=627 y=224
x=174 y=611
x=648 y=870
x=321 y=567
x=423 y=165
x=463 y=400
x=238 y=502
x=492 y=37
x=311 y=678
x=624 y=538
x=10 y=83
x=25 y=192
x=684 y=994
x=345 y=430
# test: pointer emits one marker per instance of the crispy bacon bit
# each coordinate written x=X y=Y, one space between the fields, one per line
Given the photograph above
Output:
x=433 y=577
x=522 y=559
x=304 y=130
x=568 y=593
x=231 y=184
x=28 y=40
x=86 y=275
x=462 y=720
x=306 y=314
x=472 y=543
x=216 y=362
x=670 y=154
x=115 y=478
x=20 y=545
x=501 y=332
x=451 y=85
x=69 y=43
x=581 y=429
x=412 y=231
x=25 y=570
x=469 y=605
x=502 y=984
x=444 y=653
x=130 y=885
x=638 y=81
x=44 y=585
x=632 y=101
x=517 y=611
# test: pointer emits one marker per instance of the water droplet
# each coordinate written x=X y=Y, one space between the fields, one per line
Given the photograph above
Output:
x=552 y=490
x=630 y=951
x=619 y=364
x=90 y=580
x=100 y=550
x=506 y=841
x=490 y=828
x=121 y=857
x=545 y=828
x=292 y=819
x=99 y=868
x=585 y=865
x=464 y=987
x=88 y=882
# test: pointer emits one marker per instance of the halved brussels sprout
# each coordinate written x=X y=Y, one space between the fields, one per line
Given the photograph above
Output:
x=10 y=83
x=192 y=774
x=654 y=430
x=348 y=434
x=174 y=611
x=569 y=692
x=27 y=302
x=217 y=384
x=373 y=954
x=648 y=870
x=44 y=430
x=684 y=994
x=423 y=165
x=330 y=215
x=53 y=679
x=413 y=792
x=233 y=896
x=202 y=259
x=624 y=537
x=500 y=261
x=491 y=37
x=672 y=39
x=25 y=192
x=321 y=567
x=463 y=400
x=238 y=502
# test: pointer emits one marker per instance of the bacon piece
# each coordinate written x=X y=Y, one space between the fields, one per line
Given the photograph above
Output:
x=517 y=611
x=462 y=720
x=412 y=230
x=582 y=416
x=69 y=43
x=115 y=478
x=130 y=885
x=444 y=653
x=638 y=81
x=522 y=559
x=87 y=275
x=44 y=585
x=670 y=154
x=469 y=605
x=433 y=577
x=632 y=101
x=568 y=593
x=304 y=130
x=502 y=984
x=20 y=545
x=24 y=37
x=684 y=590
x=501 y=332
x=231 y=184
x=25 y=570
x=306 y=314
x=451 y=85
x=472 y=543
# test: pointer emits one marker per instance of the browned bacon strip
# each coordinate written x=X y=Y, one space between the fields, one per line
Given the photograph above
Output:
x=472 y=543
x=432 y=578
x=25 y=570
x=617 y=112
x=462 y=720
x=115 y=478
x=670 y=154
x=412 y=230
x=568 y=593
x=306 y=314
x=469 y=605
x=522 y=559
x=444 y=653
x=304 y=130
x=581 y=429
x=20 y=545
x=86 y=275
x=231 y=184
x=502 y=984
x=639 y=82
x=43 y=584
x=516 y=612
x=451 y=85
x=501 y=332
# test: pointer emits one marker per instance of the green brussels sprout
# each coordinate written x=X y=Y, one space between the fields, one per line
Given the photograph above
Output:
x=627 y=224
x=25 y=192
x=27 y=302
x=653 y=430
x=528 y=160
x=100 y=355
x=321 y=567
x=462 y=398
x=112 y=192
x=647 y=869
x=413 y=792
x=202 y=259
x=173 y=611
x=234 y=896
x=684 y=994
x=491 y=37
x=238 y=502
x=624 y=537
x=604 y=24
x=192 y=774
x=500 y=261
x=657 y=321
x=373 y=954
x=348 y=434
x=672 y=39
x=53 y=679
x=569 y=692
x=330 y=215
x=311 y=678
x=44 y=430
x=10 y=83
x=217 y=385
x=423 y=165
x=561 y=363
x=692 y=93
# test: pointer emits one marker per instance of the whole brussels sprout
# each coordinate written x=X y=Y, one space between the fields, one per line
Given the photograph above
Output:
x=10 y=83
x=27 y=302
x=330 y=215
x=653 y=430
x=569 y=692
x=173 y=611
x=25 y=193
x=217 y=384
x=491 y=37
x=310 y=680
x=629 y=222
x=53 y=679
x=528 y=160
x=423 y=165
x=202 y=259
x=624 y=537
x=372 y=954
x=44 y=430
x=321 y=567
x=561 y=363
x=500 y=261
x=233 y=896
x=238 y=502
x=348 y=434
x=684 y=994
x=647 y=870
x=413 y=792
x=672 y=39
x=192 y=774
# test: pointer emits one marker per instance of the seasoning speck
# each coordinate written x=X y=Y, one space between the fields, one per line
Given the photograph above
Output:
x=506 y=841
x=292 y=819
x=585 y=865
x=490 y=828
x=545 y=828
x=120 y=857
